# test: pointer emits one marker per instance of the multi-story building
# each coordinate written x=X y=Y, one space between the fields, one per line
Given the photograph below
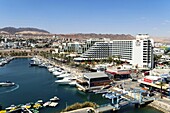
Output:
x=137 y=52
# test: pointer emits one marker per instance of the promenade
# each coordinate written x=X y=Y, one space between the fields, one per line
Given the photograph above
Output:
x=75 y=71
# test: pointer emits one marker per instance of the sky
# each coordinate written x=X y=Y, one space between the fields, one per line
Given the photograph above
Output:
x=89 y=16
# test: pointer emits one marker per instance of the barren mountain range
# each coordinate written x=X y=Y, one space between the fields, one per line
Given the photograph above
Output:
x=12 y=30
x=36 y=31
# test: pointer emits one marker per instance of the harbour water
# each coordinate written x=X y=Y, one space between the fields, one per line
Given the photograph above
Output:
x=34 y=83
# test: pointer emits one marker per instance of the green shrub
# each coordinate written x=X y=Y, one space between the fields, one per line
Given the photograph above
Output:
x=80 y=105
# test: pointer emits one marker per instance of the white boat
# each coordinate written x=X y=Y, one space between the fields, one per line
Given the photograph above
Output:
x=57 y=73
x=34 y=58
x=46 y=103
x=35 y=63
x=73 y=83
x=7 y=83
x=53 y=104
x=49 y=66
x=66 y=80
x=53 y=69
x=64 y=75
x=54 y=99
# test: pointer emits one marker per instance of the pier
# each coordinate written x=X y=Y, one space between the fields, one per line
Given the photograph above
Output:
x=105 y=108
x=120 y=98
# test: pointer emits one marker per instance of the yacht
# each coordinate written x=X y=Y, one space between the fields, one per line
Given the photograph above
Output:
x=49 y=66
x=73 y=83
x=53 y=69
x=63 y=75
x=66 y=80
x=57 y=73
x=35 y=63
x=54 y=99
x=34 y=58
x=7 y=83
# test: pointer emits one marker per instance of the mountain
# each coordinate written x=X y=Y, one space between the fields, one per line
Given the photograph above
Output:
x=165 y=40
x=93 y=35
x=12 y=30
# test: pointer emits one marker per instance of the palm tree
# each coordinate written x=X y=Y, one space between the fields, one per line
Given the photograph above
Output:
x=161 y=84
x=109 y=59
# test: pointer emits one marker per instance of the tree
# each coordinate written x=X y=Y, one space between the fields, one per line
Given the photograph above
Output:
x=109 y=59
x=157 y=57
x=161 y=84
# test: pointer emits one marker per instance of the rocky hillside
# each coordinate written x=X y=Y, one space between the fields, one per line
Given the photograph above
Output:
x=161 y=40
x=92 y=35
x=12 y=30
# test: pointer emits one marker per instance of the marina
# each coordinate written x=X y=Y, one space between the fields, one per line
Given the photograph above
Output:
x=39 y=84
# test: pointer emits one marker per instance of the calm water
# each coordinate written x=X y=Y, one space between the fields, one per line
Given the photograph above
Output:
x=34 y=83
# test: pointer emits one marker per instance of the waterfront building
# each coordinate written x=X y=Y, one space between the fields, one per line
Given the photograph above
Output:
x=119 y=74
x=156 y=83
x=94 y=80
x=138 y=52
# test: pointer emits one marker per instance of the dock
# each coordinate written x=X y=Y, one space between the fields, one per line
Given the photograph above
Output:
x=105 y=108
x=120 y=98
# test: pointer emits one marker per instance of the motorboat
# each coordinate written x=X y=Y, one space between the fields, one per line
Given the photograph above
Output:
x=64 y=75
x=7 y=83
x=47 y=103
x=34 y=58
x=53 y=104
x=49 y=66
x=53 y=69
x=35 y=63
x=66 y=80
x=73 y=83
x=57 y=73
x=54 y=99
x=43 y=65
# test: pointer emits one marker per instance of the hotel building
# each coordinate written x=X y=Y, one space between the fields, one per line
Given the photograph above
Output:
x=138 y=52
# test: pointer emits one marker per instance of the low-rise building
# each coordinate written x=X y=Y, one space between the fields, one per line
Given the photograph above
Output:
x=91 y=81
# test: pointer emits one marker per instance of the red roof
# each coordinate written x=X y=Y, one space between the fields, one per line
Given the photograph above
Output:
x=124 y=72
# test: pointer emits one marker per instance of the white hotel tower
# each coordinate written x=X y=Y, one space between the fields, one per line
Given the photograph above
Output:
x=138 y=51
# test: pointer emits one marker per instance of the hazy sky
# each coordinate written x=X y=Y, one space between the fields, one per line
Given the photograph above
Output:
x=89 y=16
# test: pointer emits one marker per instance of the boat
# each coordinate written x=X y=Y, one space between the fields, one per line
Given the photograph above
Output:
x=40 y=102
x=11 y=108
x=44 y=65
x=57 y=73
x=49 y=66
x=28 y=106
x=37 y=106
x=35 y=63
x=7 y=83
x=54 y=99
x=64 y=75
x=46 y=103
x=53 y=104
x=73 y=83
x=66 y=80
x=53 y=69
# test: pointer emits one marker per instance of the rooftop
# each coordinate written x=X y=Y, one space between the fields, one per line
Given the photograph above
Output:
x=95 y=75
